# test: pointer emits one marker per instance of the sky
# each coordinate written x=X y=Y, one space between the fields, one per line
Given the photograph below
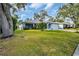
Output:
x=31 y=8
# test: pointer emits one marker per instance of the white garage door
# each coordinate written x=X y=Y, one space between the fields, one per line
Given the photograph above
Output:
x=54 y=26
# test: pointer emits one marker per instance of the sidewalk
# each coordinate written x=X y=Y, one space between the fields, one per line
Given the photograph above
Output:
x=76 y=53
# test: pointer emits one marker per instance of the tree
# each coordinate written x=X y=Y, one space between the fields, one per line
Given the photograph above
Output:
x=42 y=26
x=28 y=20
x=70 y=10
x=14 y=19
x=36 y=16
x=51 y=18
x=6 y=23
x=20 y=21
x=41 y=17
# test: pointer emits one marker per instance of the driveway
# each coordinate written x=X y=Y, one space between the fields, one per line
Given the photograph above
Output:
x=70 y=30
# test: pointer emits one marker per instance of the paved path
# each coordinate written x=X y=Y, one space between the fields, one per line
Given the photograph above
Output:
x=69 y=30
x=76 y=53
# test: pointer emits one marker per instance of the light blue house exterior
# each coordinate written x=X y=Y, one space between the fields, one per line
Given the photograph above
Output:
x=68 y=23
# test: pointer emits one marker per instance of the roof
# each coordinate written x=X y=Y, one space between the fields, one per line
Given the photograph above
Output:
x=54 y=22
x=37 y=21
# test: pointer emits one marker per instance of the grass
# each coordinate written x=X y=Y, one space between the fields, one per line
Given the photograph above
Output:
x=39 y=43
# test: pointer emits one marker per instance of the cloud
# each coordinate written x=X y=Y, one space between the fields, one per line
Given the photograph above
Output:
x=48 y=6
x=36 y=5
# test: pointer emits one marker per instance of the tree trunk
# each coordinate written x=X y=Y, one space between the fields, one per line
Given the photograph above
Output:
x=6 y=21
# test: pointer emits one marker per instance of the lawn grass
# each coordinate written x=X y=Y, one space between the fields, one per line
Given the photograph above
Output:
x=39 y=43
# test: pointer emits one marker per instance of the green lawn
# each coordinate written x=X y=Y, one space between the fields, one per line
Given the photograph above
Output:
x=35 y=42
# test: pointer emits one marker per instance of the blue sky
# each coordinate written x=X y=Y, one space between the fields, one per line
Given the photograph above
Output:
x=32 y=8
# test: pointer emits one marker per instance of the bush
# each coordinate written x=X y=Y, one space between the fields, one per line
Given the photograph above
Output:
x=76 y=24
x=42 y=26
x=14 y=23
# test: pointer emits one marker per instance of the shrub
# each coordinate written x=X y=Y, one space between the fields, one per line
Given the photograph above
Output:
x=42 y=26
x=14 y=23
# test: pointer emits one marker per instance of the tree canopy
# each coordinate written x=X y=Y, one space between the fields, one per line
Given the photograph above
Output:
x=70 y=10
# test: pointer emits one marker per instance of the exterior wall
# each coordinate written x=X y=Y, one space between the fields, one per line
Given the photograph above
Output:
x=60 y=26
x=69 y=23
x=29 y=26
x=68 y=20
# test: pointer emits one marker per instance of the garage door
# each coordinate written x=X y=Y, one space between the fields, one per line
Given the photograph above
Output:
x=54 y=26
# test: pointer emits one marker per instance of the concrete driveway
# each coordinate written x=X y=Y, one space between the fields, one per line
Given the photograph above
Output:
x=70 y=30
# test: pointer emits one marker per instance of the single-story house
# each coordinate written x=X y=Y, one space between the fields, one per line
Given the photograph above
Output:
x=68 y=23
x=49 y=26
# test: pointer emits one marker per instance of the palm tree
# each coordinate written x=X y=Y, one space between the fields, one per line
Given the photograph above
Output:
x=6 y=23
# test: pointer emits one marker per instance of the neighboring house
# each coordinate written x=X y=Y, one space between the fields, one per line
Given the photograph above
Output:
x=69 y=23
x=69 y=20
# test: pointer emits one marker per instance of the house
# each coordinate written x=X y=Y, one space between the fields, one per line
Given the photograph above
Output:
x=68 y=23
x=49 y=25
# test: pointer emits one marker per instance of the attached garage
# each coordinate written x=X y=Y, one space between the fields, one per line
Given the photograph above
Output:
x=54 y=26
